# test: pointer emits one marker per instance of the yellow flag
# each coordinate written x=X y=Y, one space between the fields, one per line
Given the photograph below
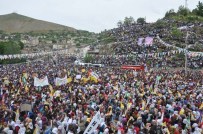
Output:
x=164 y=124
x=17 y=114
x=85 y=79
x=93 y=79
x=179 y=95
x=68 y=72
x=201 y=106
x=36 y=130
x=181 y=111
x=129 y=105
x=25 y=75
x=26 y=89
x=69 y=80
x=18 y=91
x=122 y=106
x=51 y=90
x=20 y=80
x=170 y=92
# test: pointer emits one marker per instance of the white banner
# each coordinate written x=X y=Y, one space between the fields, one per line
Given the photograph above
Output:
x=93 y=124
x=61 y=81
x=41 y=82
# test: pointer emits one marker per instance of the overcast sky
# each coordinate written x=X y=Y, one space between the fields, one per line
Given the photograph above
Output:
x=91 y=15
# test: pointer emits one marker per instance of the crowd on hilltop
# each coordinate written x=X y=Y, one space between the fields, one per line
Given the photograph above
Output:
x=128 y=35
x=163 y=28
x=129 y=102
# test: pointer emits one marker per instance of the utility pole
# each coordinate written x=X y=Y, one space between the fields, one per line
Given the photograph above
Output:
x=186 y=48
x=186 y=5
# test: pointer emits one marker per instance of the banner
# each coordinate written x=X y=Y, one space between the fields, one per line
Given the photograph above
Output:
x=41 y=82
x=93 y=124
x=133 y=67
x=61 y=81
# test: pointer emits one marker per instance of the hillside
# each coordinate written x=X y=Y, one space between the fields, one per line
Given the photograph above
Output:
x=16 y=23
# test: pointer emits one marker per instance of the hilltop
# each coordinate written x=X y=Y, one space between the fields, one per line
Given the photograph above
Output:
x=172 y=29
x=16 y=23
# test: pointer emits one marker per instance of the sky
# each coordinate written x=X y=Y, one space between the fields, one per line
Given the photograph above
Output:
x=92 y=15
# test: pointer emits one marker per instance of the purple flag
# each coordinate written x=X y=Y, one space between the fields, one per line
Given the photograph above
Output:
x=148 y=41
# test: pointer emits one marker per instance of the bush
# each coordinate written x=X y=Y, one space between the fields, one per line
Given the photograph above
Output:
x=88 y=58
x=9 y=47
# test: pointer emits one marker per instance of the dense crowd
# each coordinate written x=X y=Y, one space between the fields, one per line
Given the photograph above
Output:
x=163 y=28
x=127 y=36
x=130 y=102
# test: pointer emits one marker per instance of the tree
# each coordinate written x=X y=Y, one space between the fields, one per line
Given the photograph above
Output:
x=176 y=33
x=1 y=31
x=120 y=23
x=199 y=10
x=88 y=58
x=160 y=24
x=183 y=11
x=9 y=47
x=21 y=44
x=54 y=41
x=170 y=13
x=129 y=20
x=78 y=44
x=141 y=20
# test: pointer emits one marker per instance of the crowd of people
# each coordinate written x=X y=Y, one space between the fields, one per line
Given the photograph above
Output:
x=127 y=36
x=129 y=101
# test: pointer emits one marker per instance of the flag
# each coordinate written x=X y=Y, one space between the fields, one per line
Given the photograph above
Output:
x=36 y=131
x=94 y=77
x=26 y=88
x=17 y=115
x=69 y=80
x=85 y=80
x=24 y=79
x=148 y=41
x=25 y=75
x=51 y=90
